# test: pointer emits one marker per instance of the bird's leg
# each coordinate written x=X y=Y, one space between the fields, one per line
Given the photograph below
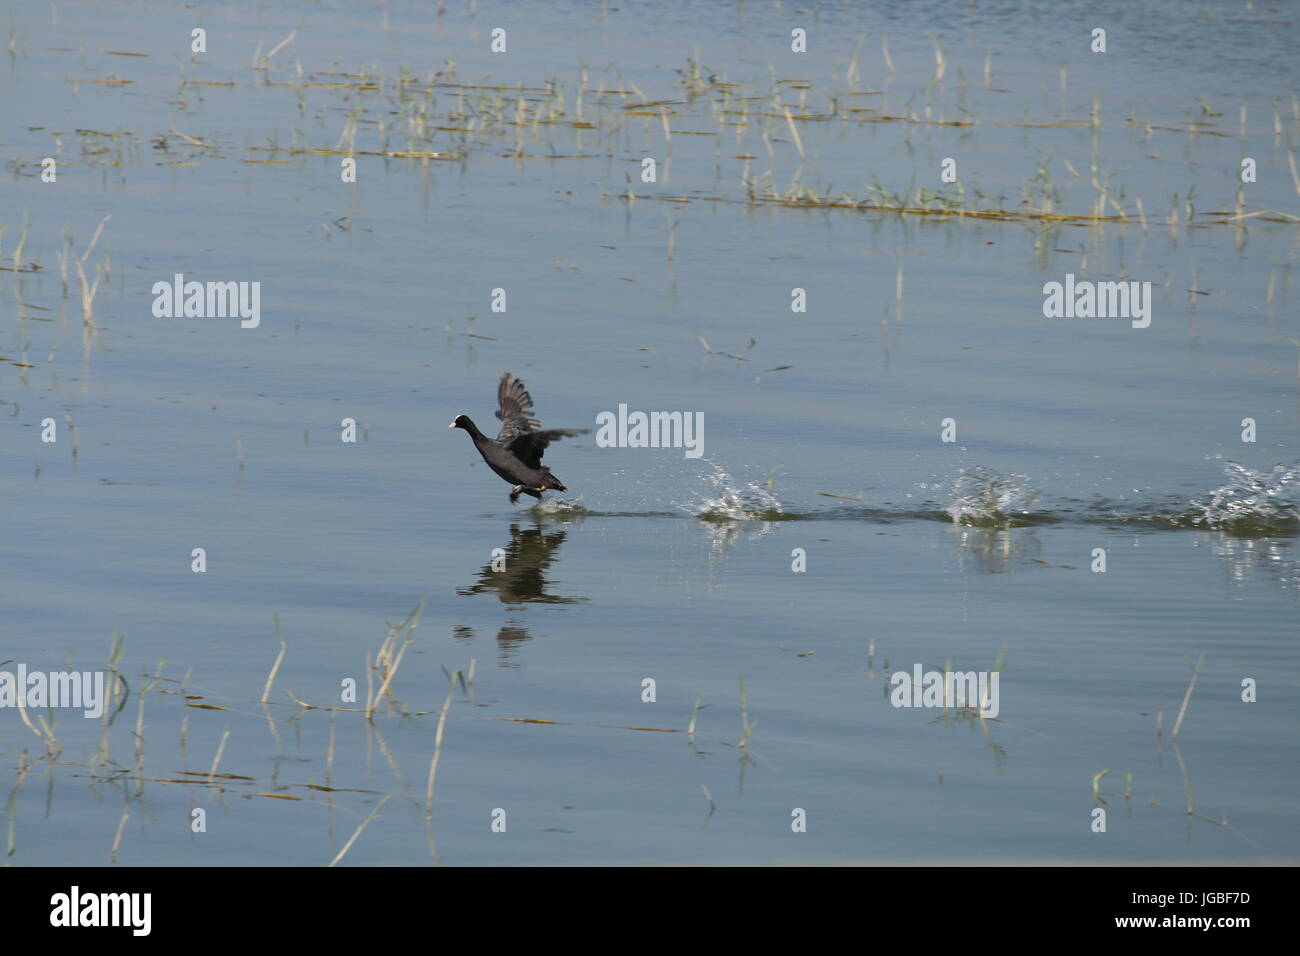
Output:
x=518 y=490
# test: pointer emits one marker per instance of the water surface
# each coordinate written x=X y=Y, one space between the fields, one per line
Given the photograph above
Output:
x=823 y=433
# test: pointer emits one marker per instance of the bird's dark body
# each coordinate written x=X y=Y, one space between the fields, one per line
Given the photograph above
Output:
x=515 y=472
x=516 y=453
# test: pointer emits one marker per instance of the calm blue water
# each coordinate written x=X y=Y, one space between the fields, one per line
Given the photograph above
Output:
x=654 y=565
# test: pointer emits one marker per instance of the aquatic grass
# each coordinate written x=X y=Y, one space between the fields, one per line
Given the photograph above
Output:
x=101 y=770
x=389 y=658
x=184 y=741
x=480 y=114
x=72 y=434
x=216 y=760
x=89 y=291
x=263 y=63
x=1096 y=781
x=437 y=746
x=117 y=838
x=1188 y=791
x=279 y=658
x=139 y=725
x=22 y=245
x=851 y=72
x=1187 y=698
x=117 y=644
x=45 y=733
x=1190 y=795
x=744 y=718
x=24 y=768
x=940 y=63
x=695 y=713
x=357 y=833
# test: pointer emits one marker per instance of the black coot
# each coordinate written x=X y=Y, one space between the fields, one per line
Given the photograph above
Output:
x=516 y=453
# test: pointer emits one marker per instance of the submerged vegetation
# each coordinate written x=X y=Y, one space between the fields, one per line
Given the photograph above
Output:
x=290 y=736
x=131 y=775
x=753 y=128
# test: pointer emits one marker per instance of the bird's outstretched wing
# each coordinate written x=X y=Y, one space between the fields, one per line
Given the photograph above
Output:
x=520 y=432
x=515 y=410
x=530 y=446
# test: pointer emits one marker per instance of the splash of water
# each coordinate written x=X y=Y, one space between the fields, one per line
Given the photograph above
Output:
x=560 y=506
x=1253 y=500
x=729 y=500
x=983 y=497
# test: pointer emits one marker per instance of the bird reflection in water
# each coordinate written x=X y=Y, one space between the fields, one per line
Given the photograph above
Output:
x=528 y=557
x=522 y=579
x=511 y=635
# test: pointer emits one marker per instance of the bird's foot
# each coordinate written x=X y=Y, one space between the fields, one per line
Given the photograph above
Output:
x=518 y=490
